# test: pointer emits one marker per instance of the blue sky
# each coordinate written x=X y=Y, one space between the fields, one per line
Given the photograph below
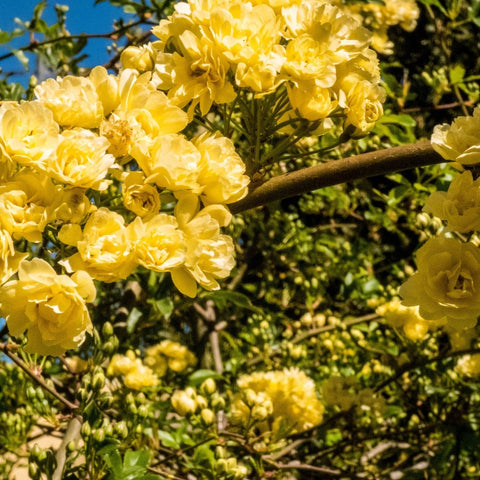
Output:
x=83 y=17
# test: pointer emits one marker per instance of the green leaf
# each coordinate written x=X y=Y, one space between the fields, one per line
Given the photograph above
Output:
x=198 y=377
x=21 y=57
x=223 y=297
x=457 y=74
x=168 y=440
x=132 y=319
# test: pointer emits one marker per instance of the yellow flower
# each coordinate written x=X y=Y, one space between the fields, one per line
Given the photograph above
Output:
x=209 y=254
x=169 y=354
x=159 y=245
x=185 y=401
x=414 y=325
x=105 y=247
x=459 y=206
x=447 y=283
x=27 y=203
x=142 y=114
x=73 y=206
x=28 y=133
x=73 y=100
x=295 y=406
x=107 y=88
x=342 y=35
x=311 y=100
x=199 y=75
x=172 y=162
x=50 y=307
x=308 y=59
x=135 y=374
x=140 y=197
x=9 y=258
x=364 y=105
x=469 y=365
x=459 y=141
x=139 y=58
x=81 y=160
x=221 y=170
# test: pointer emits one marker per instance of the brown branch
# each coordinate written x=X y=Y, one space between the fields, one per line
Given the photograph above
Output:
x=333 y=172
x=6 y=348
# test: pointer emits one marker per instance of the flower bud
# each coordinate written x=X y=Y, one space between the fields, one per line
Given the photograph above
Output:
x=208 y=416
x=208 y=387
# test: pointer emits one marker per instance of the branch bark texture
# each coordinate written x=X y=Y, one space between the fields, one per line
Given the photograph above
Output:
x=333 y=172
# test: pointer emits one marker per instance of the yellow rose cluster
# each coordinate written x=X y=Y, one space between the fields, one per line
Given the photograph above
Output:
x=378 y=17
x=447 y=283
x=209 y=51
x=281 y=402
x=65 y=157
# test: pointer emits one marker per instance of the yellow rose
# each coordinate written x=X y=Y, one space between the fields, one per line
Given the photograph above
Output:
x=447 y=283
x=221 y=170
x=459 y=141
x=107 y=88
x=310 y=100
x=294 y=403
x=139 y=58
x=28 y=133
x=159 y=245
x=73 y=206
x=364 y=105
x=168 y=353
x=209 y=254
x=122 y=364
x=105 y=247
x=459 y=206
x=140 y=197
x=81 y=160
x=184 y=401
x=172 y=162
x=9 y=258
x=27 y=203
x=73 y=100
x=140 y=377
x=50 y=307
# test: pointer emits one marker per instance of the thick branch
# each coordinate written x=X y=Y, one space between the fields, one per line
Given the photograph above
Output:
x=334 y=172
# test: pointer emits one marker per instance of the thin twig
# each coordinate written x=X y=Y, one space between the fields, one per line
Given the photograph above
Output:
x=6 y=348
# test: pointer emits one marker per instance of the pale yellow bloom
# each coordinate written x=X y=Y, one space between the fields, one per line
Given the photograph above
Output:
x=143 y=114
x=106 y=249
x=364 y=105
x=209 y=254
x=107 y=87
x=185 y=402
x=135 y=374
x=447 y=283
x=172 y=162
x=294 y=403
x=50 y=307
x=221 y=170
x=459 y=206
x=9 y=257
x=140 y=197
x=73 y=205
x=139 y=58
x=81 y=160
x=342 y=35
x=169 y=355
x=27 y=203
x=28 y=133
x=159 y=244
x=311 y=100
x=73 y=100
x=409 y=319
x=460 y=140
x=469 y=365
